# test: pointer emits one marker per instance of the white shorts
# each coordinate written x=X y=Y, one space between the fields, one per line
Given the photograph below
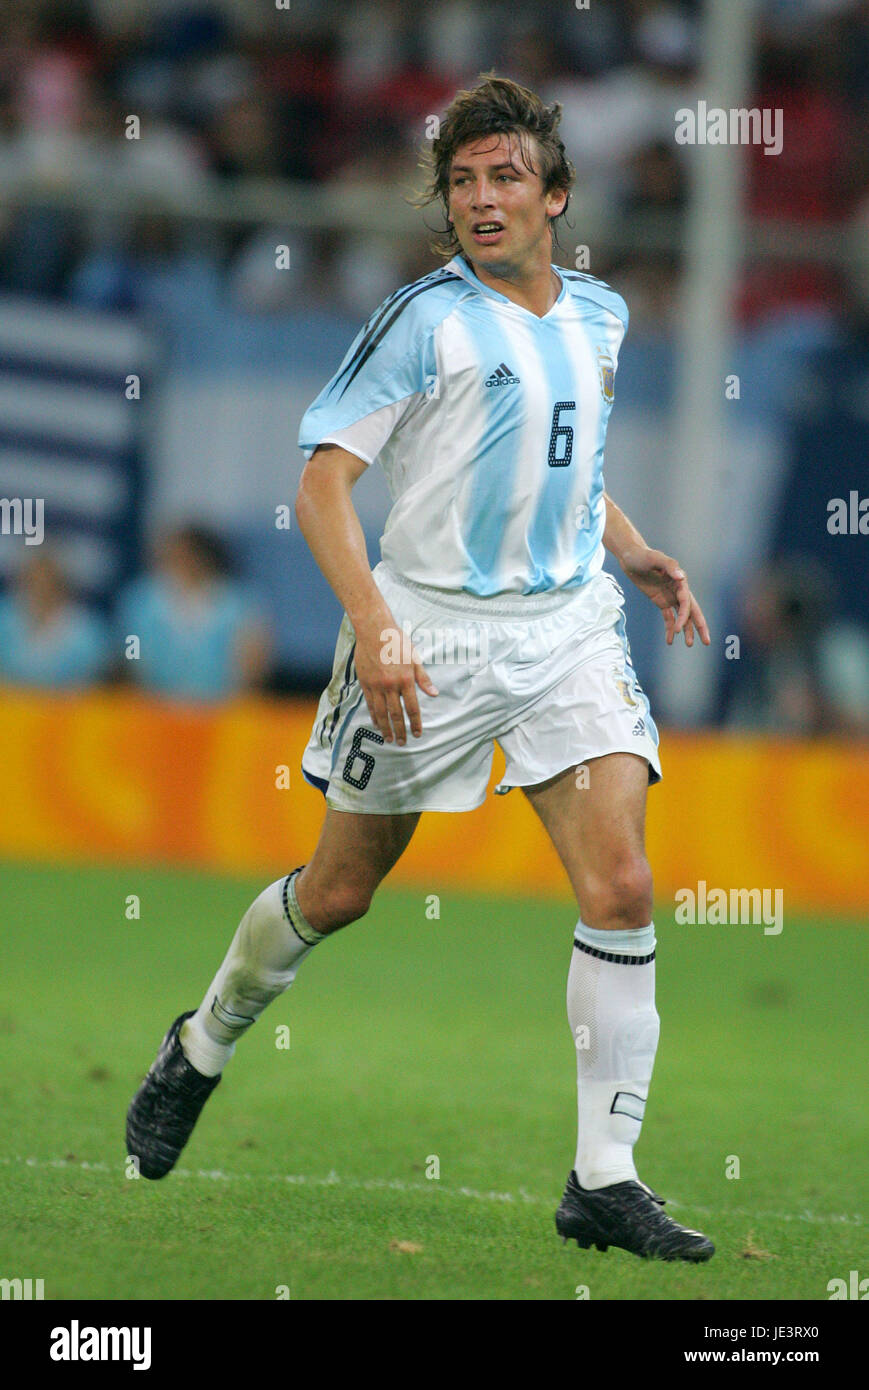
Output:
x=549 y=676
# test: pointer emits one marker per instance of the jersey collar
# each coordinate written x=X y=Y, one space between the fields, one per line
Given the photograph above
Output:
x=460 y=266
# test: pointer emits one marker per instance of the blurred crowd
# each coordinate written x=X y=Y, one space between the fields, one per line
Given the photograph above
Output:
x=333 y=95
x=186 y=629
x=143 y=110
x=189 y=629
x=801 y=667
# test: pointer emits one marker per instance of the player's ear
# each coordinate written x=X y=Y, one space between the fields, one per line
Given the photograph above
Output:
x=557 y=202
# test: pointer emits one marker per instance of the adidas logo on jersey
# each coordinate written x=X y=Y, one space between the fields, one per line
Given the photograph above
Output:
x=502 y=376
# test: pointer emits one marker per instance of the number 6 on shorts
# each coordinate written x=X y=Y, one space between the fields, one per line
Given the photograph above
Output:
x=367 y=759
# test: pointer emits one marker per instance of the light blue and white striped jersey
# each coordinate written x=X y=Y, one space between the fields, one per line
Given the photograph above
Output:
x=489 y=424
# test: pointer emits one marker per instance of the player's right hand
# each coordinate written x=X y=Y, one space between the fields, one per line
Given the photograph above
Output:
x=389 y=670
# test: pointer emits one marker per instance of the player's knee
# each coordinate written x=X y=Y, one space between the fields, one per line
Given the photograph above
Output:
x=342 y=902
x=621 y=898
x=631 y=887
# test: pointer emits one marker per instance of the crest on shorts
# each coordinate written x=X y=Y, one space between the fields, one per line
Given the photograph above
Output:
x=625 y=688
x=607 y=370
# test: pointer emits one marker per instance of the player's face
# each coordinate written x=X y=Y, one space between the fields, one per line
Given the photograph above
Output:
x=497 y=206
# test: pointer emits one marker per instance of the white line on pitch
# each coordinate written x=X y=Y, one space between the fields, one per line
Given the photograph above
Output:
x=334 y=1179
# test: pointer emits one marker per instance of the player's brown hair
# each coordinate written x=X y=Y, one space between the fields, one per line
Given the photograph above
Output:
x=496 y=106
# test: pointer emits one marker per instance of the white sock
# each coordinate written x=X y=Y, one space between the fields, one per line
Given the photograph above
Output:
x=612 y=1015
x=272 y=940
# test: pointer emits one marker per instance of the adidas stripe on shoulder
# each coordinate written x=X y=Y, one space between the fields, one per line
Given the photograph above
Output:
x=591 y=287
x=581 y=275
x=383 y=319
x=392 y=357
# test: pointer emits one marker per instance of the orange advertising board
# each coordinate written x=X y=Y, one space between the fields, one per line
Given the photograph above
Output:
x=117 y=776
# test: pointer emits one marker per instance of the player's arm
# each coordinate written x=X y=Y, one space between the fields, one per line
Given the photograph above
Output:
x=331 y=527
x=659 y=576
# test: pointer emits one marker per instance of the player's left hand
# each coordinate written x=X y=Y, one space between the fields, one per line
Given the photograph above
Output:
x=663 y=580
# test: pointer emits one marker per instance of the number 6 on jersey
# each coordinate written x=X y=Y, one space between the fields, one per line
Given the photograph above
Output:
x=560 y=431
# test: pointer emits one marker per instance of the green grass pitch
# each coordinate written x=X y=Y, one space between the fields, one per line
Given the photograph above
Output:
x=413 y=1039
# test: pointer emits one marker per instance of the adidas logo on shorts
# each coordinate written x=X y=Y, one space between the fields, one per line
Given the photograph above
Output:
x=502 y=376
x=639 y=727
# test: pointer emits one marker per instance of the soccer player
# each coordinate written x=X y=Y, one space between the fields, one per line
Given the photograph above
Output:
x=483 y=389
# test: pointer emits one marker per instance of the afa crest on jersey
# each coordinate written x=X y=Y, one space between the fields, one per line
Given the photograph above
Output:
x=607 y=370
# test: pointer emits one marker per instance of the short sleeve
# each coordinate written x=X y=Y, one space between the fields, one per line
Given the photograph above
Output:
x=366 y=437
x=392 y=360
